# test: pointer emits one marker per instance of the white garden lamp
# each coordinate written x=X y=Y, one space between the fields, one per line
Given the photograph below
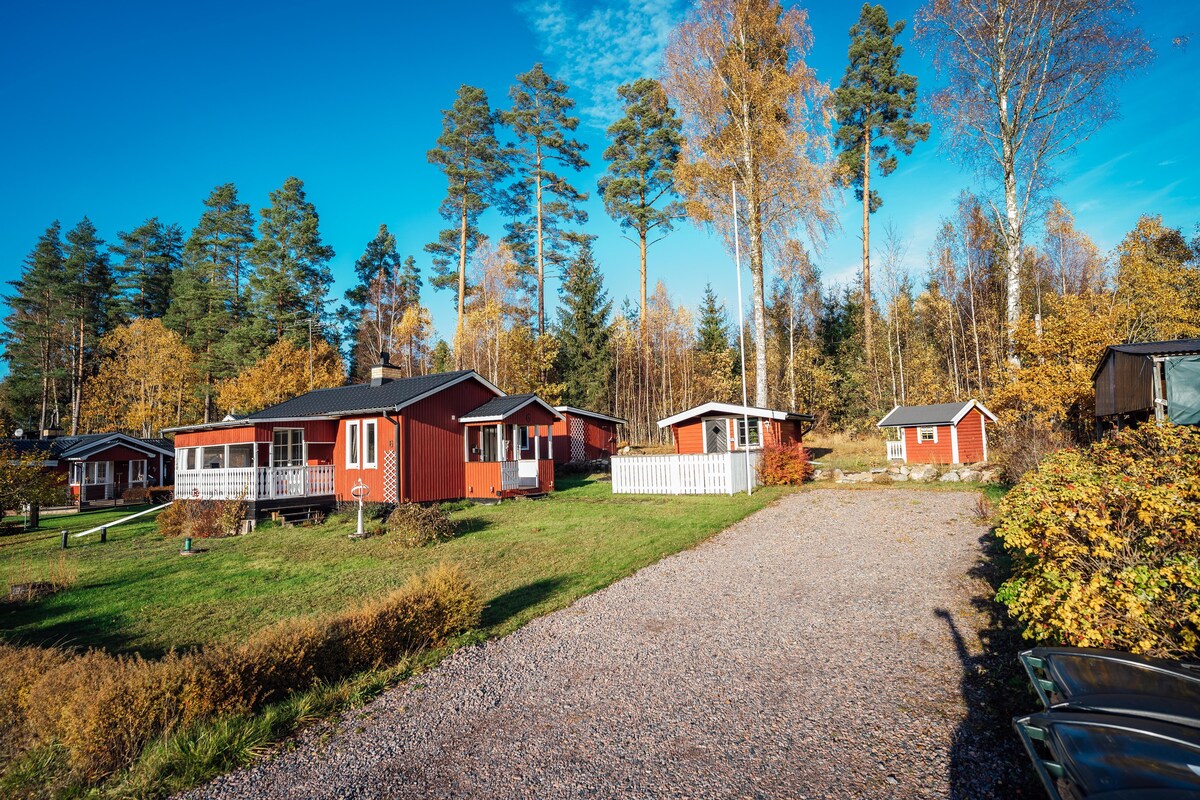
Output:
x=359 y=491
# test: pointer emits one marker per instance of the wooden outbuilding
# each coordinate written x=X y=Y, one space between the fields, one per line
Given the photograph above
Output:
x=417 y=439
x=944 y=433
x=1148 y=381
x=727 y=428
x=583 y=435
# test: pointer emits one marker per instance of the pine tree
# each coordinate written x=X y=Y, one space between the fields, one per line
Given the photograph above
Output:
x=207 y=303
x=386 y=291
x=472 y=160
x=291 y=264
x=542 y=203
x=441 y=357
x=150 y=253
x=718 y=362
x=874 y=106
x=712 y=332
x=34 y=337
x=640 y=183
x=89 y=306
x=584 y=357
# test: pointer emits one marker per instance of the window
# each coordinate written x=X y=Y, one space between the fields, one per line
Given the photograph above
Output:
x=925 y=435
x=524 y=438
x=213 y=458
x=189 y=457
x=369 y=442
x=96 y=472
x=754 y=439
x=287 y=447
x=241 y=455
x=137 y=471
x=352 y=429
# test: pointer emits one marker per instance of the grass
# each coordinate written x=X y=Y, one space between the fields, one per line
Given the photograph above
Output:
x=136 y=594
x=847 y=453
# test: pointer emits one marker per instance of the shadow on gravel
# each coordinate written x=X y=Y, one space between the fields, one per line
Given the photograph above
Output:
x=505 y=606
x=986 y=759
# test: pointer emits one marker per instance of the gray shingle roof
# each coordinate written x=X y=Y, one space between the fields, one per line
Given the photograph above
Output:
x=501 y=407
x=70 y=446
x=360 y=397
x=907 y=416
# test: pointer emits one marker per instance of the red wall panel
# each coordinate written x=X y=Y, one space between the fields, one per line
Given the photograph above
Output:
x=432 y=465
x=970 y=437
x=689 y=436
x=938 y=452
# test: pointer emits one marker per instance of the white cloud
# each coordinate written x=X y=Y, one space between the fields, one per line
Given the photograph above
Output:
x=594 y=51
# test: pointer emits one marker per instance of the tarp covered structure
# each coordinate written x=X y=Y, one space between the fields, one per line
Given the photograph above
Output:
x=1183 y=389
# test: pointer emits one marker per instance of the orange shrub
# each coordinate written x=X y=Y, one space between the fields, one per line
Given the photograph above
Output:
x=780 y=465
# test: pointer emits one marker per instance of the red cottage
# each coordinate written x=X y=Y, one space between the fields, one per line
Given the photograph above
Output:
x=101 y=467
x=946 y=433
x=428 y=438
x=722 y=428
x=585 y=435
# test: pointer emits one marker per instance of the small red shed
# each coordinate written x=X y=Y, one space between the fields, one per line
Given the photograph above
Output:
x=725 y=428
x=945 y=433
x=584 y=435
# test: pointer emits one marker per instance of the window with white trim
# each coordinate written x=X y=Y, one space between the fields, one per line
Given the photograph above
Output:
x=137 y=471
x=241 y=456
x=213 y=458
x=524 y=438
x=189 y=457
x=369 y=443
x=755 y=438
x=352 y=433
x=927 y=435
x=287 y=447
x=96 y=472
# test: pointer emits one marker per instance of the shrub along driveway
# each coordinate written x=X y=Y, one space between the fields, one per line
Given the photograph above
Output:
x=828 y=646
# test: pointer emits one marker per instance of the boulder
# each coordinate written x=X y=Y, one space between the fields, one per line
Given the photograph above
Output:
x=877 y=470
x=988 y=476
x=838 y=475
x=904 y=470
x=950 y=477
x=899 y=476
x=968 y=476
x=818 y=475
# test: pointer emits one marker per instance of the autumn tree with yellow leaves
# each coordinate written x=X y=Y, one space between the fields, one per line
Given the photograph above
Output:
x=287 y=370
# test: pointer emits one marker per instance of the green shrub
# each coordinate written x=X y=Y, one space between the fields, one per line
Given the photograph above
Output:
x=1106 y=544
x=104 y=709
x=784 y=465
x=415 y=525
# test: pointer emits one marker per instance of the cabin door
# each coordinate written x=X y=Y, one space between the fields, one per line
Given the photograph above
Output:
x=716 y=433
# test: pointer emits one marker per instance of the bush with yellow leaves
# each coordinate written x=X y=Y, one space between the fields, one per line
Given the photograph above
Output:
x=1106 y=544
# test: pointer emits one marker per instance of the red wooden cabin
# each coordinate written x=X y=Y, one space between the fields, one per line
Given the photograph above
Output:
x=945 y=433
x=100 y=468
x=584 y=435
x=725 y=428
x=404 y=439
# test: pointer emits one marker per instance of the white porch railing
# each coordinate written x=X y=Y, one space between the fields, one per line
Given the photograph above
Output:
x=250 y=483
x=714 y=473
x=895 y=451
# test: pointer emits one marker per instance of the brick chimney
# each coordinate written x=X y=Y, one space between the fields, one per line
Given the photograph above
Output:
x=384 y=371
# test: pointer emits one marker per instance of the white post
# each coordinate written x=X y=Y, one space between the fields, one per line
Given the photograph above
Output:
x=737 y=257
x=499 y=441
x=537 y=442
x=550 y=444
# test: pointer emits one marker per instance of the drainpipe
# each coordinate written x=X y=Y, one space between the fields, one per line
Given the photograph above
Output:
x=396 y=443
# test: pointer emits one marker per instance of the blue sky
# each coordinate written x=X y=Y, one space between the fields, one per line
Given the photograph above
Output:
x=123 y=110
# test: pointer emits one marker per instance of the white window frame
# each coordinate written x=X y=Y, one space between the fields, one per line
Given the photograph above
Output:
x=524 y=437
x=145 y=476
x=921 y=430
x=292 y=435
x=370 y=434
x=353 y=444
x=743 y=432
x=91 y=473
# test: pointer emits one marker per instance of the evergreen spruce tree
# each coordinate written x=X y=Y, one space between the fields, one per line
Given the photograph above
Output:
x=150 y=255
x=291 y=265
x=639 y=187
x=585 y=363
x=874 y=107
x=473 y=162
x=386 y=288
x=207 y=302
x=35 y=336
x=712 y=332
x=87 y=290
x=442 y=358
x=542 y=203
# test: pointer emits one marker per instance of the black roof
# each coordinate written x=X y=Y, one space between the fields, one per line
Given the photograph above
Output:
x=70 y=446
x=357 y=398
x=1168 y=347
x=938 y=414
x=501 y=406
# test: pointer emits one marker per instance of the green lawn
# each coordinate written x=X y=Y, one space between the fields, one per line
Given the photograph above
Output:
x=136 y=593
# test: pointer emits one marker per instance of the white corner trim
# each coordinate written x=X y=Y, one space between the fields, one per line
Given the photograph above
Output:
x=954 y=445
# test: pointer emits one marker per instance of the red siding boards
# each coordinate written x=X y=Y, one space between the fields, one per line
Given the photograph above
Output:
x=315 y=430
x=971 y=436
x=938 y=452
x=599 y=438
x=345 y=476
x=432 y=463
x=689 y=436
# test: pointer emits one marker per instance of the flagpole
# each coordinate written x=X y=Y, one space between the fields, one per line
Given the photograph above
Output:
x=737 y=260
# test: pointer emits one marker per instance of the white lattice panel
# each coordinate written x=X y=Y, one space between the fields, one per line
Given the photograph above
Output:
x=389 y=476
x=578 y=439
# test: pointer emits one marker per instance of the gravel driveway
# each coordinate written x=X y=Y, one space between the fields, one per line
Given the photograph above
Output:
x=826 y=647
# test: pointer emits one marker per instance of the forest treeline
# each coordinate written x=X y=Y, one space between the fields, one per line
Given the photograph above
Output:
x=160 y=326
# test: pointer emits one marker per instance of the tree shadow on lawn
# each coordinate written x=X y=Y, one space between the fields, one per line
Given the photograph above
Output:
x=505 y=606
x=817 y=453
x=986 y=758
x=52 y=623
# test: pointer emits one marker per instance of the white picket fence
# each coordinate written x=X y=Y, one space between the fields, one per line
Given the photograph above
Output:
x=713 y=473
